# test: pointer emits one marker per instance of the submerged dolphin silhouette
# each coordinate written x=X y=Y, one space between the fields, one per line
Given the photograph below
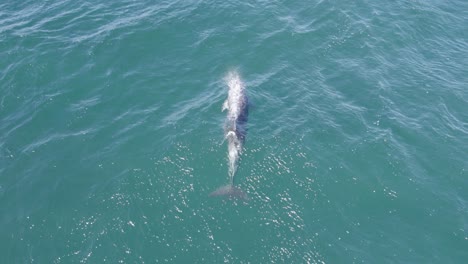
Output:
x=235 y=128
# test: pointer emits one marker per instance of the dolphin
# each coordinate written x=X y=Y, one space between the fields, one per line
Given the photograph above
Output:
x=235 y=130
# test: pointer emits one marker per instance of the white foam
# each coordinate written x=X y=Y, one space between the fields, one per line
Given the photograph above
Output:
x=235 y=93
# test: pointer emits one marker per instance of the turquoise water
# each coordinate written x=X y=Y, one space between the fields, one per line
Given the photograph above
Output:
x=111 y=131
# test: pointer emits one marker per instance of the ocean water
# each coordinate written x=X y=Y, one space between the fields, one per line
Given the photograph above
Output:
x=111 y=131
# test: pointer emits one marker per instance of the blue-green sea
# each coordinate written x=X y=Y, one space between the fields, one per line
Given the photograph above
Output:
x=112 y=138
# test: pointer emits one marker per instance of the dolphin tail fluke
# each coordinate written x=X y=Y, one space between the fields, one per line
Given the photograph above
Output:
x=230 y=191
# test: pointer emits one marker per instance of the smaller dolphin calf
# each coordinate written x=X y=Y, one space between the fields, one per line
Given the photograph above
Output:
x=235 y=131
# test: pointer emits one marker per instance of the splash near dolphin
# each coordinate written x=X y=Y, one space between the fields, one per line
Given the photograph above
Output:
x=235 y=130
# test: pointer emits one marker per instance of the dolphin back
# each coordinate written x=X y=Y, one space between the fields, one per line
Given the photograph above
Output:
x=230 y=191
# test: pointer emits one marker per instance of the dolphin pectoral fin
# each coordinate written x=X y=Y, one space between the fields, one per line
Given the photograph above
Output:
x=230 y=191
x=225 y=106
x=251 y=104
x=222 y=142
x=229 y=134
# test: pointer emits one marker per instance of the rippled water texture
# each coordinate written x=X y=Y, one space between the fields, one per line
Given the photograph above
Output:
x=111 y=131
